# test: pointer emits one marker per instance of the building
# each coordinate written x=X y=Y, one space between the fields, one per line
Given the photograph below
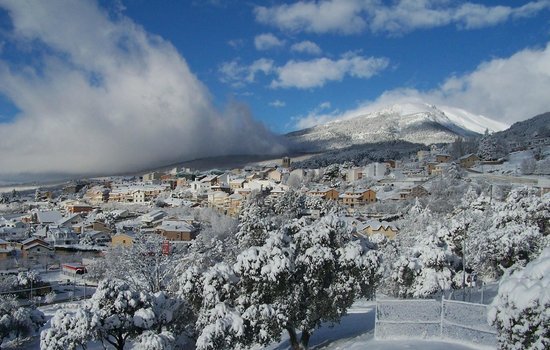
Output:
x=285 y=163
x=442 y=158
x=375 y=171
x=34 y=247
x=47 y=217
x=354 y=174
x=325 y=193
x=151 y=177
x=275 y=175
x=372 y=227
x=468 y=160
x=123 y=239
x=97 y=195
x=177 y=230
x=440 y=168
x=235 y=184
x=353 y=198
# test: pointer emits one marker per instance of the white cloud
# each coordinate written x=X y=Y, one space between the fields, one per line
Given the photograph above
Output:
x=306 y=47
x=318 y=115
x=267 y=41
x=277 y=104
x=238 y=75
x=107 y=97
x=317 y=72
x=505 y=89
x=236 y=43
x=353 y=16
x=316 y=17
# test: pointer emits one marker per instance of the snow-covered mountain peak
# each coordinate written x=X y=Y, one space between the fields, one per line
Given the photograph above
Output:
x=414 y=121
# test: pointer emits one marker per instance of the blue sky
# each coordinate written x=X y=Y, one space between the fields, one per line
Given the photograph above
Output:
x=123 y=75
x=212 y=34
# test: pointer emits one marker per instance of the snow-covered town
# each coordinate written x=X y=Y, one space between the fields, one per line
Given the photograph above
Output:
x=273 y=175
x=232 y=258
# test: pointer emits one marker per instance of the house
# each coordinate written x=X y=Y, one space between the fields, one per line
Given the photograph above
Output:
x=79 y=208
x=234 y=203
x=325 y=193
x=430 y=166
x=35 y=247
x=375 y=170
x=151 y=177
x=353 y=198
x=440 y=168
x=153 y=218
x=100 y=226
x=123 y=239
x=47 y=217
x=372 y=227
x=442 y=158
x=5 y=249
x=354 y=174
x=275 y=175
x=468 y=160
x=413 y=192
x=176 y=230
x=418 y=191
x=217 y=200
x=97 y=195
x=71 y=221
x=73 y=269
x=61 y=236
x=98 y=237
x=235 y=184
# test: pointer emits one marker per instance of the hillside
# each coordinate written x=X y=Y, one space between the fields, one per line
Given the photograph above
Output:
x=416 y=123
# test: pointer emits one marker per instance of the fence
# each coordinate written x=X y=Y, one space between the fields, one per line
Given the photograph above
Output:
x=433 y=319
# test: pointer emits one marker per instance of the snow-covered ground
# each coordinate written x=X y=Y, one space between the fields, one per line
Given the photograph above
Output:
x=355 y=332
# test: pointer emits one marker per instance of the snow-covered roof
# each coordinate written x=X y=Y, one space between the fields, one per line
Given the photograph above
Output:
x=48 y=216
x=68 y=219
x=31 y=239
x=176 y=225
x=153 y=216
x=377 y=225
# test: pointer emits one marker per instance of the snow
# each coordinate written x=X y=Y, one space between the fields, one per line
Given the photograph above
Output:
x=356 y=332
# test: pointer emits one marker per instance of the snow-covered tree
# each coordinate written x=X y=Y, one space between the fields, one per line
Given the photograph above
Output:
x=521 y=309
x=115 y=313
x=143 y=264
x=491 y=147
x=427 y=267
x=68 y=331
x=305 y=273
x=508 y=233
x=17 y=322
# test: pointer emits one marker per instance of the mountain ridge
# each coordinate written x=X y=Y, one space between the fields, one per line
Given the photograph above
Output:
x=412 y=122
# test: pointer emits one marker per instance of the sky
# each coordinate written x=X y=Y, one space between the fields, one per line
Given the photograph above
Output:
x=113 y=86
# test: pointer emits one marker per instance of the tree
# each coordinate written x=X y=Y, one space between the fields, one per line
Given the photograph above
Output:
x=143 y=264
x=305 y=273
x=115 y=313
x=67 y=331
x=520 y=310
x=508 y=233
x=491 y=147
x=18 y=321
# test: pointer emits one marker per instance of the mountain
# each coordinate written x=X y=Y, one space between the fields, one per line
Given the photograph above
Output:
x=524 y=131
x=412 y=122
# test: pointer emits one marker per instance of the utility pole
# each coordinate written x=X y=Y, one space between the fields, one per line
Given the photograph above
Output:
x=464 y=269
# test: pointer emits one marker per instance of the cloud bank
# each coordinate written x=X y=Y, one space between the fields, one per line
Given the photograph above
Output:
x=303 y=74
x=504 y=89
x=98 y=94
x=354 y=16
